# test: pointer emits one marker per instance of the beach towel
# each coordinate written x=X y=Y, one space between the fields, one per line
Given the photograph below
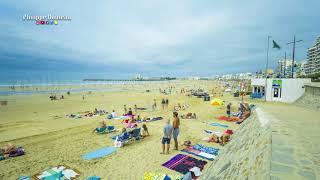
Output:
x=198 y=153
x=67 y=173
x=206 y=149
x=183 y=163
x=120 y=117
x=217 y=133
x=226 y=118
x=99 y=153
x=219 y=125
x=93 y=178
x=202 y=151
x=160 y=176
x=24 y=178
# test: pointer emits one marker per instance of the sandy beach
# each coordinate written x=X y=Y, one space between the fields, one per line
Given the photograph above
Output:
x=50 y=138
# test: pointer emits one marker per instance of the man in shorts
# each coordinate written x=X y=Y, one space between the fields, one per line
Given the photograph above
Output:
x=167 y=133
x=176 y=130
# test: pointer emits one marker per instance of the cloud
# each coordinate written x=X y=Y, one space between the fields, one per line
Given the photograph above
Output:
x=156 y=37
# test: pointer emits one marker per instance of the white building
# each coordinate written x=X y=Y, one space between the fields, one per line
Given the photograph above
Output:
x=313 y=61
x=282 y=90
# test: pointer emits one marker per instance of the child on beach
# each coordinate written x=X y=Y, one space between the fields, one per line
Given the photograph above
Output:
x=144 y=131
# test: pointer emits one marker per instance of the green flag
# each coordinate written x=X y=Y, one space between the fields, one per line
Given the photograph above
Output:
x=275 y=45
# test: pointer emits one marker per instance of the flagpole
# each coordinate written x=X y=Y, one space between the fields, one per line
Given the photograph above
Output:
x=266 y=73
x=285 y=64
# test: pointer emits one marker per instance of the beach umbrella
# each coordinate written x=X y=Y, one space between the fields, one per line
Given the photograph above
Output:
x=216 y=102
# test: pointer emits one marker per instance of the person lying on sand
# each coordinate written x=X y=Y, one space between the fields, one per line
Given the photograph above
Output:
x=8 y=150
x=102 y=126
x=189 y=116
x=123 y=130
x=244 y=116
x=223 y=139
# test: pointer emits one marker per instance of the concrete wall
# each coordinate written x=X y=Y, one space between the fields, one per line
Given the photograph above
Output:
x=311 y=97
x=246 y=156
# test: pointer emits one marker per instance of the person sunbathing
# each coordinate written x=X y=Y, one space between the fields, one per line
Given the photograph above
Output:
x=8 y=150
x=102 y=127
x=214 y=138
x=130 y=112
x=144 y=131
x=189 y=116
x=123 y=130
x=244 y=116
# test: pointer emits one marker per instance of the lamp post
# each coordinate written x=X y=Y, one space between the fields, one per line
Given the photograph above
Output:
x=293 y=52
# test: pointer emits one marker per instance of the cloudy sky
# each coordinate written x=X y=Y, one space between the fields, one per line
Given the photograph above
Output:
x=118 y=39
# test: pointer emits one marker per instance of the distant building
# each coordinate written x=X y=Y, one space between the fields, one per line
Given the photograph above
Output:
x=301 y=69
x=284 y=68
x=313 y=59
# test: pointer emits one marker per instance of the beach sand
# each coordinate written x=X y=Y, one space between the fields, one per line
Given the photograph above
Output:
x=50 y=138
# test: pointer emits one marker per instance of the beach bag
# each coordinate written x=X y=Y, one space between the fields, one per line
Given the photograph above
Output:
x=118 y=144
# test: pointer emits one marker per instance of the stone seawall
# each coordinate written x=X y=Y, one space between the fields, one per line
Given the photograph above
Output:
x=247 y=155
x=309 y=101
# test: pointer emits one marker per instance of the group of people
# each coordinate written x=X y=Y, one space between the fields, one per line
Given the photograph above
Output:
x=169 y=131
x=244 y=111
x=165 y=103
x=180 y=107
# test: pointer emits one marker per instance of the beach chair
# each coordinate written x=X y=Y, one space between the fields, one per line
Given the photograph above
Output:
x=121 y=139
x=136 y=134
x=108 y=129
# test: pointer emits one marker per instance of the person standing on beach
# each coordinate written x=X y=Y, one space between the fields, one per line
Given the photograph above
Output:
x=229 y=109
x=176 y=130
x=163 y=102
x=125 y=109
x=82 y=97
x=167 y=133
x=135 y=108
x=154 y=106
x=167 y=102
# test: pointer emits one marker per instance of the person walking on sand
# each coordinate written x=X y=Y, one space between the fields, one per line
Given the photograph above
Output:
x=163 y=103
x=167 y=103
x=135 y=108
x=176 y=130
x=229 y=109
x=167 y=133
x=82 y=97
x=125 y=109
x=154 y=106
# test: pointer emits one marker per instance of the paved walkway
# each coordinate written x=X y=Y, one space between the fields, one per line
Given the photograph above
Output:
x=295 y=141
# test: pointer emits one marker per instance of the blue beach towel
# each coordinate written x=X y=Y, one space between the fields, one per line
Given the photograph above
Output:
x=93 y=178
x=99 y=153
x=220 y=125
x=206 y=149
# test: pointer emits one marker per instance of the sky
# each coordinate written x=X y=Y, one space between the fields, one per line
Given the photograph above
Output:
x=119 y=39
